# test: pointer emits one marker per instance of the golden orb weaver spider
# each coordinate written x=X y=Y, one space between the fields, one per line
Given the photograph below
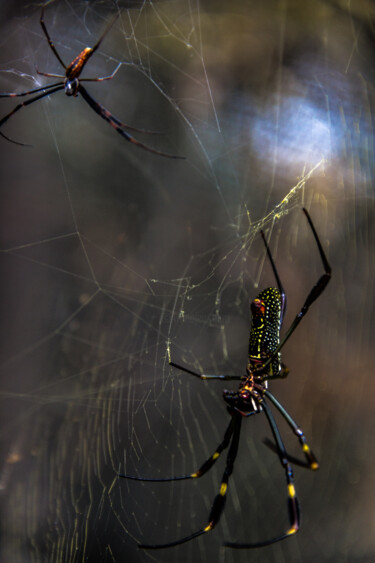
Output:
x=264 y=363
x=72 y=85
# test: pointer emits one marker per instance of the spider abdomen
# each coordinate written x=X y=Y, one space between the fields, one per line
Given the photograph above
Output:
x=265 y=328
x=76 y=66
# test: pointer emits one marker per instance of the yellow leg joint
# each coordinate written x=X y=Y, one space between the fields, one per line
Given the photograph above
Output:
x=292 y=531
x=208 y=528
x=216 y=455
x=223 y=489
x=291 y=491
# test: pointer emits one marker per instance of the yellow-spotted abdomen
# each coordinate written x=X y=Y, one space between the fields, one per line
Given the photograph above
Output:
x=265 y=327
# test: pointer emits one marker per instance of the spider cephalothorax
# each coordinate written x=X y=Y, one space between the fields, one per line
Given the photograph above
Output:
x=247 y=399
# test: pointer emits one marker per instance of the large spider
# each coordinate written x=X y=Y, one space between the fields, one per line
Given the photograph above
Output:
x=72 y=85
x=264 y=363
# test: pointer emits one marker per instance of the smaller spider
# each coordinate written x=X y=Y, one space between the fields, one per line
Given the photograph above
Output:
x=72 y=85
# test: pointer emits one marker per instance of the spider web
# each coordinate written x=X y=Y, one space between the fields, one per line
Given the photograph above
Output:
x=115 y=260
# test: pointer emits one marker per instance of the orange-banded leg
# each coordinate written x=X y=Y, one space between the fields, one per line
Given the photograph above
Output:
x=117 y=124
x=310 y=457
x=293 y=505
x=206 y=466
x=233 y=432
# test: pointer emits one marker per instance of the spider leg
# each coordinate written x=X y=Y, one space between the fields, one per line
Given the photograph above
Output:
x=101 y=78
x=107 y=29
x=48 y=74
x=50 y=42
x=116 y=123
x=34 y=91
x=278 y=281
x=310 y=457
x=219 y=501
x=204 y=468
x=315 y=292
x=204 y=376
x=45 y=92
x=294 y=460
x=293 y=505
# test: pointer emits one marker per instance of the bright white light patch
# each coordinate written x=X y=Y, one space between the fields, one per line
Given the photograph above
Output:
x=294 y=132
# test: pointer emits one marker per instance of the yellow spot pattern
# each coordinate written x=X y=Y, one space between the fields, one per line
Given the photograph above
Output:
x=291 y=491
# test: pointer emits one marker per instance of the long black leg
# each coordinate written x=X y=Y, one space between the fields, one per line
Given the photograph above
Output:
x=310 y=457
x=206 y=466
x=204 y=376
x=117 y=124
x=219 y=501
x=34 y=91
x=50 y=42
x=124 y=125
x=292 y=459
x=316 y=291
x=293 y=505
x=50 y=90
x=107 y=29
x=278 y=281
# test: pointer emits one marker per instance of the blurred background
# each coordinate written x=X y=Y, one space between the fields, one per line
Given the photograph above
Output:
x=115 y=259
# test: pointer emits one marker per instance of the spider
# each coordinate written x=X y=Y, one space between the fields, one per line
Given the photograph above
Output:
x=72 y=85
x=264 y=363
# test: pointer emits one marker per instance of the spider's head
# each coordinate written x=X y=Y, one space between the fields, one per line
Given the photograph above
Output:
x=242 y=401
x=258 y=308
x=71 y=87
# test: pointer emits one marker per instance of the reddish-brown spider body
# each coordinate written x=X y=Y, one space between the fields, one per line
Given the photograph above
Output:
x=76 y=66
